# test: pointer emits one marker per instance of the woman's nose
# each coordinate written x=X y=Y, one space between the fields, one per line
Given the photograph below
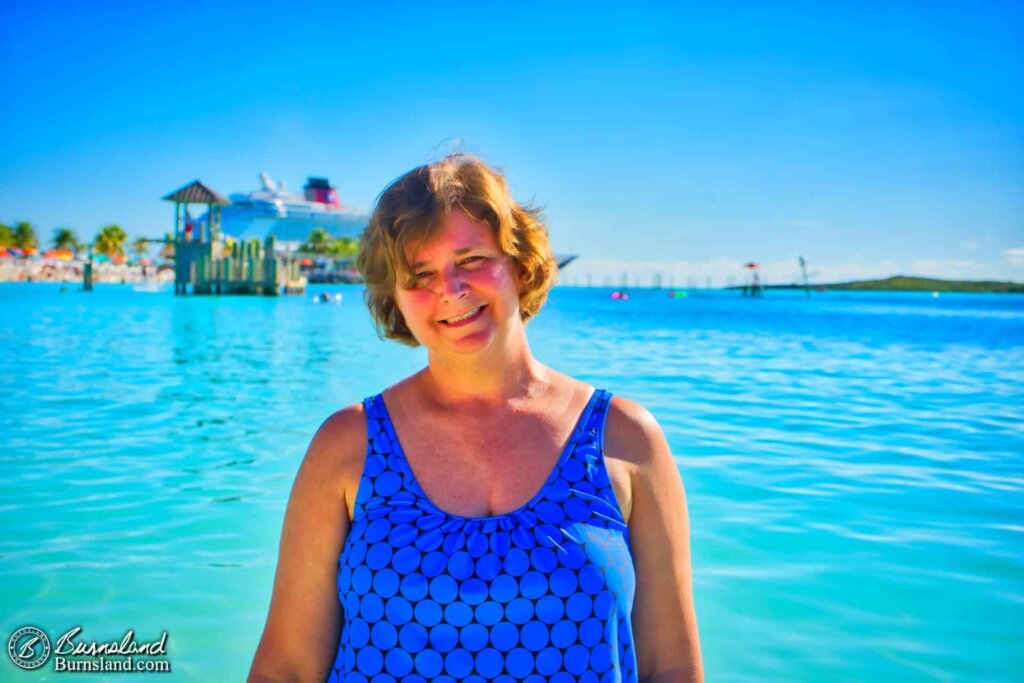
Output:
x=452 y=285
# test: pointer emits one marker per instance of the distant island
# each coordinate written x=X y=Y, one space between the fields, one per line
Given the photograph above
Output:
x=903 y=283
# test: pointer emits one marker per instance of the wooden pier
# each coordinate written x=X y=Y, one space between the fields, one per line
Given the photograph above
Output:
x=204 y=263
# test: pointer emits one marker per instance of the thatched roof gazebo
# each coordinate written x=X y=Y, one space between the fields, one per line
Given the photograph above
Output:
x=197 y=193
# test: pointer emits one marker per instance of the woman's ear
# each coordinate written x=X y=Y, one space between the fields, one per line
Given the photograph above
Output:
x=522 y=277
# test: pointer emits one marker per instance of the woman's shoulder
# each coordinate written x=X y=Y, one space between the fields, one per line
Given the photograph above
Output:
x=338 y=447
x=633 y=434
x=344 y=426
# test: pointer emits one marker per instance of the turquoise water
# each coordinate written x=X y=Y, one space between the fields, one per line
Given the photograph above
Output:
x=852 y=464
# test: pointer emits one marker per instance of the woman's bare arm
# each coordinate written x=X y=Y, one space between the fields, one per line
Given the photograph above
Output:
x=300 y=638
x=664 y=617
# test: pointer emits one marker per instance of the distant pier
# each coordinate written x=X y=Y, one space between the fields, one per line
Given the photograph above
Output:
x=204 y=263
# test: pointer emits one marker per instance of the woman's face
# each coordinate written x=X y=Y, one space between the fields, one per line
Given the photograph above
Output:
x=466 y=292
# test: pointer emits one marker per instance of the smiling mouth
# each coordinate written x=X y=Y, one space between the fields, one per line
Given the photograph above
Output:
x=465 y=317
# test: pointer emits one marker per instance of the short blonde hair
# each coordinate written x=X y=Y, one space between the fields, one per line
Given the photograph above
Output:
x=416 y=206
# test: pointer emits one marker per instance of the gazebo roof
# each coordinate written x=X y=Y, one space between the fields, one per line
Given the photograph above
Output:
x=196 y=193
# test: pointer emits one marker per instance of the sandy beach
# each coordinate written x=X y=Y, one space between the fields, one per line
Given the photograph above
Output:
x=56 y=270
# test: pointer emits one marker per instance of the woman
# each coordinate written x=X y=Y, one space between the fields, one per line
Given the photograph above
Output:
x=487 y=518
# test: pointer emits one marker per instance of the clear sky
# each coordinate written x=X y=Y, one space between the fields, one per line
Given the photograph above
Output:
x=683 y=138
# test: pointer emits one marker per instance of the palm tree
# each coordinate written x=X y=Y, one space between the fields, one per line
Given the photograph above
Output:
x=6 y=236
x=167 y=250
x=110 y=240
x=140 y=246
x=345 y=247
x=25 y=235
x=65 y=238
x=317 y=242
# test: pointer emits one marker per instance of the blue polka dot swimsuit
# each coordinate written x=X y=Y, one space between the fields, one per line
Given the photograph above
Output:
x=540 y=594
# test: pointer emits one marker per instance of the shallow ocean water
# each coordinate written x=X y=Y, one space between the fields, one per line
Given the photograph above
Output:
x=852 y=464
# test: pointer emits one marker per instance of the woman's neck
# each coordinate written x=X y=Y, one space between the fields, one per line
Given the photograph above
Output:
x=493 y=378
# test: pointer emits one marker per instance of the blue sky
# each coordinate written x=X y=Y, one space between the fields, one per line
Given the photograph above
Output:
x=872 y=138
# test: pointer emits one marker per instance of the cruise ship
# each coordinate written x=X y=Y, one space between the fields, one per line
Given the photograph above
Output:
x=272 y=210
x=290 y=218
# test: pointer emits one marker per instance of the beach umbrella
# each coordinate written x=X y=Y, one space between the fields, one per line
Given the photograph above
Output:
x=4 y=253
x=101 y=258
x=62 y=254
x=14 y=251
x=306 y=262
x=117 y=259
x=145 y=262
x=752 y=265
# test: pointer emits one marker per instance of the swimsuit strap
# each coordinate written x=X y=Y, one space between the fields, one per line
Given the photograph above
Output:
x=586 y=472
x=383 y=479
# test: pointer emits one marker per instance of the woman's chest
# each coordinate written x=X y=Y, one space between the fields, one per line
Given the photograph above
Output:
x=486 y=473
x=479 y=473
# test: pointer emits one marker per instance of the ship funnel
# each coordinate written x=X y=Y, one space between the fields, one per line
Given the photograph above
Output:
x=320 y=190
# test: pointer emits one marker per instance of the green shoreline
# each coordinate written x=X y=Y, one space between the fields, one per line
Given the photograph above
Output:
x=903 y=283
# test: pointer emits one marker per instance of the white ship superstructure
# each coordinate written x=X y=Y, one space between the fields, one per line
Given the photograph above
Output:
x=289 y=217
